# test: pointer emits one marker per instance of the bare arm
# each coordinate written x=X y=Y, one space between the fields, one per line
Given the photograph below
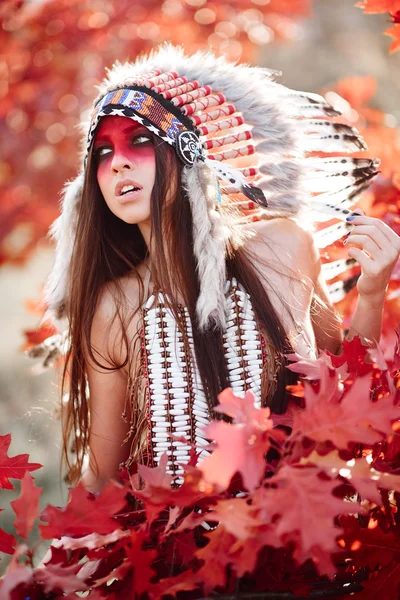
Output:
x=107 y=399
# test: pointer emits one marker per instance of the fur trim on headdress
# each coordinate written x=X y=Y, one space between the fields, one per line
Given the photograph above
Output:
x=209 y=237
x=62 y=231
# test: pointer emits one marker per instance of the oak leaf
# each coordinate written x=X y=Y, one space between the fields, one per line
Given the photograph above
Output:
x=91 y=541
x=358 y=472
x=302 y=505
x=85 y=514
x=382 y=585
x=60 y=578
x=158 y=493
x=379 y=6
x=13 y=467
x=241 y=446
x=237 y=516
x=15 y=575
x=368 y=546
x=355 y=419
x=26 y=506
x=7 y=542
x=353 y=357
x=141 y=560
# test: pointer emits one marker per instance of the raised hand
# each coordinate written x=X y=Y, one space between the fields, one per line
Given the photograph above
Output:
x=376 y=247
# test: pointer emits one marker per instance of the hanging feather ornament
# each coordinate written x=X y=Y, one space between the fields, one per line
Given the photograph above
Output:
x=209 y=239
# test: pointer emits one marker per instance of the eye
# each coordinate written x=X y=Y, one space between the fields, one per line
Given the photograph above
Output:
x=102 y=151
x=141 y=139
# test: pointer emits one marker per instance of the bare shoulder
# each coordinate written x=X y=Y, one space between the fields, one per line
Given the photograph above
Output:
x=117 y=313
x=283 y=242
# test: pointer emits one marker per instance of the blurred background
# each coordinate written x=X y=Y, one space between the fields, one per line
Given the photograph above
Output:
x=53 y=52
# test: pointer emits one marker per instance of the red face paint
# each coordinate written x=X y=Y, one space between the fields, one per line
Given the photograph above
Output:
x=125 y=158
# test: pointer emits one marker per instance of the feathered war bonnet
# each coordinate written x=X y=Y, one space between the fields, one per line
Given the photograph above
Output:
x=245 y=141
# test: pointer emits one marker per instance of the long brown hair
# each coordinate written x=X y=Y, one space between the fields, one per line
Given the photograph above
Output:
x=106 y=248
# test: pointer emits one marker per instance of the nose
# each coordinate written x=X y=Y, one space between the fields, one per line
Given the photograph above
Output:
x=120 y=161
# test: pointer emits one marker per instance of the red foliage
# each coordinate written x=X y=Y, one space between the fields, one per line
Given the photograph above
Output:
x=55 y=52
x=84 y=513
x=385 y=6
x=292 y=525
x=13 y=467
x=26 y=507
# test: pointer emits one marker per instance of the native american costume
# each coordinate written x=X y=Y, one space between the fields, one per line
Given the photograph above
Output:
x=252 y=149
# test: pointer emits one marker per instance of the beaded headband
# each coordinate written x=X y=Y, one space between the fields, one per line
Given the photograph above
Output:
x=174 y=109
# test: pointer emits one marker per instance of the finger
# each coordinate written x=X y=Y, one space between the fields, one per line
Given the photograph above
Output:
x=365 y=242
x=373 y=232
x=363 y=259
x=391 y=235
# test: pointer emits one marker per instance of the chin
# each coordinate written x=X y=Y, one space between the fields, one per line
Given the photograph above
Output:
x=134 y=219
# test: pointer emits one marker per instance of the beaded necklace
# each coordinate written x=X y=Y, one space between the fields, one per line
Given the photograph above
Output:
x=176 y=405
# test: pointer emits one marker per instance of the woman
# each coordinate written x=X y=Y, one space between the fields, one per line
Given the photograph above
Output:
x=177 y=268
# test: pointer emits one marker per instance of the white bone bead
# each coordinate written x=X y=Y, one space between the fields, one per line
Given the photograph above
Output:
x=161 y=437
x=179 y=405
x=155 y=387
x=160 y=413
x=181 y=418
x=161 y=429
x=233 y=372
x=202 y=442
x=176 y=411
x=200 y=414
x=181 y=394
x=160 y=407
x=159 y=398
x=181 y=445
x=181 y=428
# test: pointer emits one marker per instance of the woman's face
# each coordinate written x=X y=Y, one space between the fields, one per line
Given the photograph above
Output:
x=126 y=169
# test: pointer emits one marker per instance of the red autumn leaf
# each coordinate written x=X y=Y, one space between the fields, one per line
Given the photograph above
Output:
x=158 y=493
x=7 y=542
x=307 y=367
x=382 y=585
x=170 y=586
x=355 y=419
x=368 y=546
x=15 y=575
x=217 y=554
x=192 y=520
x=379 y=6
x=91 y=541
x=60 y=579
x=237 y=516
x=141 y=561
x=394 y=32
x=173 y=516
x=240 y=447
x=353 y=356
x=13 y=467
x=358 y=473
x=303 y=508
x=85 y=514
x=26 y=506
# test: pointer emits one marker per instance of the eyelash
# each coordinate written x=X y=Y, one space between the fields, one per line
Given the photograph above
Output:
x=98 y=152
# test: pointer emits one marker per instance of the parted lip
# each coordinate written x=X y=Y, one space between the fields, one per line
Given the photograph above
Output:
x=121 y=184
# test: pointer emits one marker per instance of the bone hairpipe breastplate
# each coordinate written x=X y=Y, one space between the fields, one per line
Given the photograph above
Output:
x=175 y=400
